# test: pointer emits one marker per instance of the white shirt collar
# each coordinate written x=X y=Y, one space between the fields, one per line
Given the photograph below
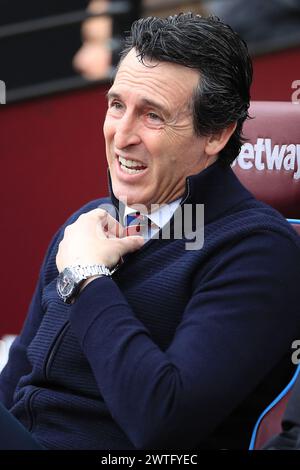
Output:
x=159 y=217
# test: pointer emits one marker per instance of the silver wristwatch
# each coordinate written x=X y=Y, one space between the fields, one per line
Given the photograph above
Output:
x=70 y=279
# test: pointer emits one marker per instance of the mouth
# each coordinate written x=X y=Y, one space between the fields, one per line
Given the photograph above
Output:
x=131 y=167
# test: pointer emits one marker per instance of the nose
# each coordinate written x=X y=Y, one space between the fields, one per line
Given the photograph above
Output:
x=126 y=132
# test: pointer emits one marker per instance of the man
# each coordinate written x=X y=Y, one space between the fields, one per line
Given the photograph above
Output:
x=289 y=437
x=94 y=58
x=179 y=347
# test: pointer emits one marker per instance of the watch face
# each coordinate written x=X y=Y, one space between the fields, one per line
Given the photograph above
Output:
x=65 y=283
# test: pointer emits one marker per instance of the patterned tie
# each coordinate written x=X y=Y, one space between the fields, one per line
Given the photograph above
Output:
x=138 y=224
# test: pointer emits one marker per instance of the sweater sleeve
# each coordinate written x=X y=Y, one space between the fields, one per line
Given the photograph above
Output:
x=18 y=364
x=239 y=322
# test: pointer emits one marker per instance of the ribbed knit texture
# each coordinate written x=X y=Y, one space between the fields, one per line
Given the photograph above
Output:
x=181 y=349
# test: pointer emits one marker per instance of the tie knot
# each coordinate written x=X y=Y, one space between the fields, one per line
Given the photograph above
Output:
x=137 y=224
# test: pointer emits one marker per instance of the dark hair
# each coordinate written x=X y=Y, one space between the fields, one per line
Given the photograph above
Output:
x=222 y=59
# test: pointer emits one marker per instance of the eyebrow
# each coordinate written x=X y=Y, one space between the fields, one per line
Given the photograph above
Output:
x=144 y=101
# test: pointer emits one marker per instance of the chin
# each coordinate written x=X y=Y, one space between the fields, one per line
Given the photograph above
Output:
x=126 y=197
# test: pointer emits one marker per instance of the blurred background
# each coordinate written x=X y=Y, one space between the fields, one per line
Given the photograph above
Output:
x=57 y=60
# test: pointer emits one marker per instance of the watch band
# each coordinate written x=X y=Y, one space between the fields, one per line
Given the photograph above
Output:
x=88 y=270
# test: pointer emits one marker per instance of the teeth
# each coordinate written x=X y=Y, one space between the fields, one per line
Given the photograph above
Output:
x=131 y=171
x=130 y=163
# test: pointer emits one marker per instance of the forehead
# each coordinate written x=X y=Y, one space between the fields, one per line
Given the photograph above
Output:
x=168 y=82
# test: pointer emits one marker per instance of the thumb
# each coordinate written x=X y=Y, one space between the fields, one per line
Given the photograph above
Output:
x=130 y=244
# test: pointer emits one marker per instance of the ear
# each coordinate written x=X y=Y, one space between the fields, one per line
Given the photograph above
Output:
x=216 y=142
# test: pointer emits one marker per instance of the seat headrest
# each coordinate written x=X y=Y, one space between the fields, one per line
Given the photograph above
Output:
x=269 y=162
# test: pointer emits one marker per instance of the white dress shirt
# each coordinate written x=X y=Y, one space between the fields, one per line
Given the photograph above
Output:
x=159 y=217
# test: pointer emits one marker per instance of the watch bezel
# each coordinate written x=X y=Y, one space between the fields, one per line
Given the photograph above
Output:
x=69 y=275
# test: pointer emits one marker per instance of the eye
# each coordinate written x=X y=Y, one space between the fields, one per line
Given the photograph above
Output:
x=154 y=117
x=116 y=105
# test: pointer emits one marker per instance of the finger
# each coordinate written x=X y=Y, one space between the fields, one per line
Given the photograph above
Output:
x=98 y=213
x=114 y=228
x=111 y=227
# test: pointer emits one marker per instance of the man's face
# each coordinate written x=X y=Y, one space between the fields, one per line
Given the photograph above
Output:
x=151 y=145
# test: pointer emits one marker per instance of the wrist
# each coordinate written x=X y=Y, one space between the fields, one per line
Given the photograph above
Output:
x=73 y=279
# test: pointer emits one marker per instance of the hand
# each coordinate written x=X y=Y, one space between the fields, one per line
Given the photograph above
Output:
x=95 y=238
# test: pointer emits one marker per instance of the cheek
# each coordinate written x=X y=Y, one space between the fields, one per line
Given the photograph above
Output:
x=159 y=146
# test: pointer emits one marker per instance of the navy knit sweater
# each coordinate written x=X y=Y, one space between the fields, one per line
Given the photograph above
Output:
x=180 y=349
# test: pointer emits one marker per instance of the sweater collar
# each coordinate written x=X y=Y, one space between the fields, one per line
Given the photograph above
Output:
x=217 y=187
